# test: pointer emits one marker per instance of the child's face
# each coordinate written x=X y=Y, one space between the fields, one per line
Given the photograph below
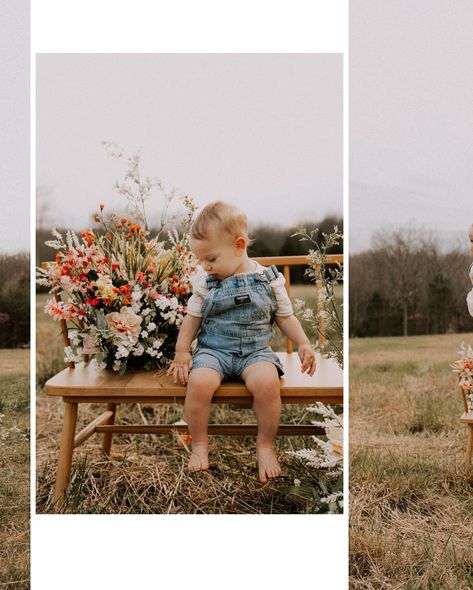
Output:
x=219 y=255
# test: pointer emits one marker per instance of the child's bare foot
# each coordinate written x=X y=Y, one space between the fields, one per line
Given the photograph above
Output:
x=199 y=459
x=268 y=464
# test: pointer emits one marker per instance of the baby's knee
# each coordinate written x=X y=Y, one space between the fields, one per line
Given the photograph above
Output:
x=203 y=382
x=264 y=385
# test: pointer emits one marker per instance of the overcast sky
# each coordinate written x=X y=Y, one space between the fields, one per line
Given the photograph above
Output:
x=411 y=117
x=14 y=125
x=263 y=131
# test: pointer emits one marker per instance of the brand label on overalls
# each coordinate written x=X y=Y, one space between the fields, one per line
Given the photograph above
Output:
x=239 y=299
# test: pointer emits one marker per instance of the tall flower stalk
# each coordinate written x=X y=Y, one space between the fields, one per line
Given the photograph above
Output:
x=327 y=318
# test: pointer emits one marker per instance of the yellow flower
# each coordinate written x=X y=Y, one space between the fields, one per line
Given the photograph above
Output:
x=104 y=288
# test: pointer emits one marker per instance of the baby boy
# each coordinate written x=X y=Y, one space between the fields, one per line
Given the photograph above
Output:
x=232 y=308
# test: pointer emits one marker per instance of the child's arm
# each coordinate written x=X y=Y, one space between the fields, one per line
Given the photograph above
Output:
x=292 y=329
x=182 y=362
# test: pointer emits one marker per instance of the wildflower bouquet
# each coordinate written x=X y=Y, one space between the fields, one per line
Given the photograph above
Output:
x=464 y=368
x=123 y=292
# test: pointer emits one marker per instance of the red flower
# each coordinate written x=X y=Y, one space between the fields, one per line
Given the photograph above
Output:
x=141 y=278
x=93 y=301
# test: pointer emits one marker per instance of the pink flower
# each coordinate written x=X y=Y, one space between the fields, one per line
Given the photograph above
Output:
x=125 y=322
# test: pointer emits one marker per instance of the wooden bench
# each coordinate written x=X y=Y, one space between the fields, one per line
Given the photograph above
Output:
x=467 y=418
x=83 y=383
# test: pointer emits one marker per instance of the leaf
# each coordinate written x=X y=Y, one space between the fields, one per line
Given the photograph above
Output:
x=302 y=491
x=323 y=484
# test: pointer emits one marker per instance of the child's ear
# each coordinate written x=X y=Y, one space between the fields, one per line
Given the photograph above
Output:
x=240 y=244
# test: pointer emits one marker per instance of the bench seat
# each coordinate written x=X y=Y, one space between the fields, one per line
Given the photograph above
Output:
x=466 y=418
x=84 y=383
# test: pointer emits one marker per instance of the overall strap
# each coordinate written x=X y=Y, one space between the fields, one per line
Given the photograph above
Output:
x=212 y=283
x=269 y=274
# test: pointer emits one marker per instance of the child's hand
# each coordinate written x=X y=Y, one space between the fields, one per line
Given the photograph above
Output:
x=180 y=367
x=307 y=356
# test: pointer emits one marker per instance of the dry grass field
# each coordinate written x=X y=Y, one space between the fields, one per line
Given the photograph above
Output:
x=14 y=469
x=411 y=497
x=147 y=474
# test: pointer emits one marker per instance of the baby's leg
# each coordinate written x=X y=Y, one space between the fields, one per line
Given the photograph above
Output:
x=202 y=385
x=262 y=381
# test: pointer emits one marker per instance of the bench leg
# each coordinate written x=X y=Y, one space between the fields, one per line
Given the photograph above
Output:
x=469 y=445
x=107 y=437
x=65 y=452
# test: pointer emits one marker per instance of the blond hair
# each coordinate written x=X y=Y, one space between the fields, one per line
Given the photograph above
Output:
x=226 y=217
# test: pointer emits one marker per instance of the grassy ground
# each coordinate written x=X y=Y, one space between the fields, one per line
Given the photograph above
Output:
x=411 y=498
x=14 y=469
x=147 y=474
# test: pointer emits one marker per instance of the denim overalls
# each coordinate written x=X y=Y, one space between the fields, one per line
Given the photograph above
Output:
x=236 y=328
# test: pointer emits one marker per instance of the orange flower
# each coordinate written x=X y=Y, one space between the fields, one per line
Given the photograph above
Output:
x=88 y=236
x=101 y=206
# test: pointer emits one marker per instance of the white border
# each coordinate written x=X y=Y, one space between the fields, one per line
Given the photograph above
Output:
x=202 y=551
x=190 y=26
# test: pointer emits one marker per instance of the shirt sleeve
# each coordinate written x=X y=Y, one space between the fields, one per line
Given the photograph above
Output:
x=284 y=305
x=199 y=293
x=469 y=302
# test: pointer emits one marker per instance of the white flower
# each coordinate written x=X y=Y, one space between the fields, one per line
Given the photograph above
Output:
x=69 y=358
x=151 y=326
x=74 y=337
x=95 y=364
x=122 y=351
x=138 y=350
x=144 y=334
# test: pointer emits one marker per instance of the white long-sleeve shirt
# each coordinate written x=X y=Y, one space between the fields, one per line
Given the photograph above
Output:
x=469 y=298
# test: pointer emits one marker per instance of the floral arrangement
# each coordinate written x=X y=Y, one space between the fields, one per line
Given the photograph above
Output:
x=326 y=319
x=320 y=470
x=464 y=369
x=123 y=292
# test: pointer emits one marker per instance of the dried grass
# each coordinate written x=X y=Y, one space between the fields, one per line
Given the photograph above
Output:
x=14 y=470
x=147 y=473
x=411 y=499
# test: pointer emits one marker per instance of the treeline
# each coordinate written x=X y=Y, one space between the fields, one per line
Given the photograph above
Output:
x=14 y=300
x=268 y=240
x=405 y=285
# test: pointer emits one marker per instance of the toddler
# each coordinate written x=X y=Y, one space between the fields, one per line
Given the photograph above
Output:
x=234 y=304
